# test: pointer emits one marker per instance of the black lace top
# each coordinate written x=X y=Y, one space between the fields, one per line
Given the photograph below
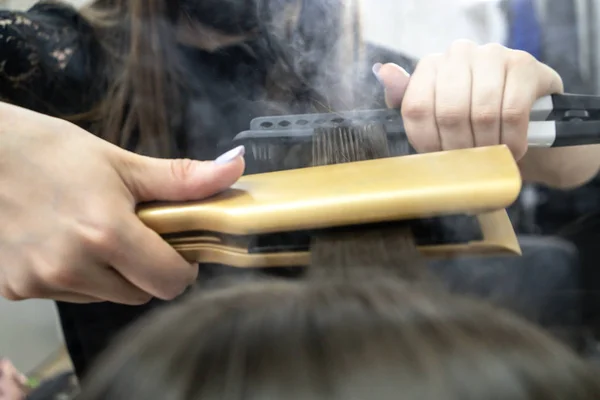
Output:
x=47 y=60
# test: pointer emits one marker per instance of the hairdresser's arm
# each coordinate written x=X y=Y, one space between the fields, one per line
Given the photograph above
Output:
x=482 y=95
x=69 y=230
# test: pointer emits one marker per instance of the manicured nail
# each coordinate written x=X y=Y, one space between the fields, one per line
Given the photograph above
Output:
x=405 y=72
x=376 y=68
x=231 y=155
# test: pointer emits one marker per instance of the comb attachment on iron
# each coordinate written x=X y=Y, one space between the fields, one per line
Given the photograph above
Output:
x=285 y=142
x=341 y=144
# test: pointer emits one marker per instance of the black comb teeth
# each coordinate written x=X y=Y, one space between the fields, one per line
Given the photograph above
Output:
x=286 y=142
x=349 y=143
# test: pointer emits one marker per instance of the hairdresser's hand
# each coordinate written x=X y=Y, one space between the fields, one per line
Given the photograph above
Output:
x=68 y=226
x=13 y=384
x=469 y=96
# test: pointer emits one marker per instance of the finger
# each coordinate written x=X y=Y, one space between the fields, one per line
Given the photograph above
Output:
x=45 y=292
x=520 y=92
x=87 y=283
x=151 y=179
x=489 y=74
x=74 y=298
x=418 y=107
x=29 y=286
x=8 y=370
x=549 y=81
x=150 y=263
x=12 y=381
x=395 y=81
x=106 y=284
x=453 y=98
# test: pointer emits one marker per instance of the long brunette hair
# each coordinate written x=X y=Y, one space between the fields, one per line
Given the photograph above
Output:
x=315 y=45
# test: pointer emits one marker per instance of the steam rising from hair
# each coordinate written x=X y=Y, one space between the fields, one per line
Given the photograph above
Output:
x=309 y=48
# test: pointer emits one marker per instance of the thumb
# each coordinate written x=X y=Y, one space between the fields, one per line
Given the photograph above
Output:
x=395 y=81
x=151 y=179
x=549 y=81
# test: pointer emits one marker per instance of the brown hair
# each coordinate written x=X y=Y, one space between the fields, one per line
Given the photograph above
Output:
x=379 y=339
x=356 y=252
x=311 y=59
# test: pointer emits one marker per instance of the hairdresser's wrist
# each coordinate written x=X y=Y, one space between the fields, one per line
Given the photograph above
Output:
x=563 y=168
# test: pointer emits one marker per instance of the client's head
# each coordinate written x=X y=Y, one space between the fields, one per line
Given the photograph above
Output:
x=375 y=340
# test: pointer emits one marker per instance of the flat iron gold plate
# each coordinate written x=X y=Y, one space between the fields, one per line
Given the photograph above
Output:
x=391 y=189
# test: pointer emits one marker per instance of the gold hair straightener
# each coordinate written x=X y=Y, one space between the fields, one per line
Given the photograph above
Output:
x=453 y=201
x=267 y=220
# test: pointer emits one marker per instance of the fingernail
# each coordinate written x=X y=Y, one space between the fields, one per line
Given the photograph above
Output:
x=403 y=71
x=376 y=68
x=231 y=155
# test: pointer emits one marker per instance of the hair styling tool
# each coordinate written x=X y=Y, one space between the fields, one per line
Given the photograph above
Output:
x=284 y=142
x=453 y=201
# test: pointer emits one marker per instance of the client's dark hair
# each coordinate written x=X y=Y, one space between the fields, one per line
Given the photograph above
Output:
x=379 y=339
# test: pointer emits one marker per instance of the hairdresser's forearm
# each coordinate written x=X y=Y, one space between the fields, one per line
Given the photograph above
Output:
x=566 y=167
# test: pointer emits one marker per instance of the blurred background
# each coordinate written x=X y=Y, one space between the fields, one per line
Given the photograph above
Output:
x=561 y=33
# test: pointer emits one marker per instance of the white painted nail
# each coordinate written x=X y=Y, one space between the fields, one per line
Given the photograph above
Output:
x=405 y=72
x=376 y=68
x=231 y=155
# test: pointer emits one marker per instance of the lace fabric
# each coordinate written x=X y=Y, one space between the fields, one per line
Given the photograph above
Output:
x=43 y=59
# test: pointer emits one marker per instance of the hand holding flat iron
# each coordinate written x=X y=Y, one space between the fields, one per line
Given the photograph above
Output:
x=69 y=229
x=472 y=96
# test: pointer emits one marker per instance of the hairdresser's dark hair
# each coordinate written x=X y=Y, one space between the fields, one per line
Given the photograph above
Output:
x=313 y=45
x=379 y=339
